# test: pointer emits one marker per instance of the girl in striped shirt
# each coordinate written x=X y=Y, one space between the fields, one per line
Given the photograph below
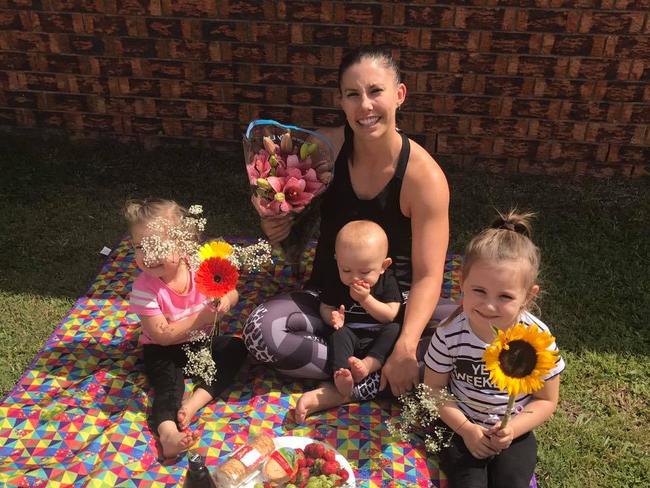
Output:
x=169 y=306
x=499 y=277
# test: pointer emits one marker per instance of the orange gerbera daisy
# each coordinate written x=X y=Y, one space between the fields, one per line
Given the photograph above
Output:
x=216 y=277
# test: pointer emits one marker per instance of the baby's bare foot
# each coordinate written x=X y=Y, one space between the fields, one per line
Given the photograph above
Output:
x=358 y=368
x=344 y=382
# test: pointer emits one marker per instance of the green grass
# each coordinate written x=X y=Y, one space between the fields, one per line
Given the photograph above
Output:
x=60 y=202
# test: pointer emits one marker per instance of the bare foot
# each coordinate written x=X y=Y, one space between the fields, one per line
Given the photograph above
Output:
x=173 y=442
x=359 y=368
x=343 y=381
x=324 y=397
x=199 y=399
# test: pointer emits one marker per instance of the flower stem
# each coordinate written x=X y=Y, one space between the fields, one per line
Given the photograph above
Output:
x=509 y=409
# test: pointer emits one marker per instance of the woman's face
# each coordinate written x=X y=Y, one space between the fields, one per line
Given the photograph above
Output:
x=370 y=96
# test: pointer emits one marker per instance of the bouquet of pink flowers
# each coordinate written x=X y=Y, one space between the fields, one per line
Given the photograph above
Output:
x=288 y=168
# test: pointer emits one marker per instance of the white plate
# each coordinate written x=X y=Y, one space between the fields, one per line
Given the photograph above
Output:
x=300 y=443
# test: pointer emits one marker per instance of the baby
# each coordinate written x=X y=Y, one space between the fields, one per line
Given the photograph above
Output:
x=361 y=305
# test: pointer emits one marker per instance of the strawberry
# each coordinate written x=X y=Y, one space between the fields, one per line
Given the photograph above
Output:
x=329 y=455
x=330 y=467
x=309 y=462
x=319 y=450
x=343 y=473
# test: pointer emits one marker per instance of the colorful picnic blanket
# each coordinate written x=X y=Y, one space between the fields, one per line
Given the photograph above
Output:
x=78 y=415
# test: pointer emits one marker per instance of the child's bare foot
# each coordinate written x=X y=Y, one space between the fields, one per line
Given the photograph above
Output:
x=343 y=381
x=173 y=442
x=358 y=368
x=324 y=397
x=199 y=399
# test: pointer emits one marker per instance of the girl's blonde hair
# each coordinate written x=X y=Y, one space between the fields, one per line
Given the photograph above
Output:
x=145 y=211
x=509 y=238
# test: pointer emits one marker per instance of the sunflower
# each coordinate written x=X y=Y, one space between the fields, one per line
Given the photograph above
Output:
x=518 y=359
x=215 y=249
x=216 y=277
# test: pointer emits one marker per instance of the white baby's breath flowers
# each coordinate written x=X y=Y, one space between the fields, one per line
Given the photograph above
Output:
x=200 y=363
x=253 y=257
x=420 y=410
x=168 y=238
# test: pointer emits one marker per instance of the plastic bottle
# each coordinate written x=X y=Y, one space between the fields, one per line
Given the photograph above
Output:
x=197 y=475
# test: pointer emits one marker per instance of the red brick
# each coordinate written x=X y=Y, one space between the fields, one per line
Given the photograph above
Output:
x=10 y=21
x=25 y=4
x=328 y=117
x=164 y=27
x=573 y=151
x=305 y=12
x=428 y=17
x=142 y=125
x=77 y=5
x=115 y=67
x=637 y=46
x=138 y=7
x=613 y=23
x=634 y=154
x=640 y=114
x=557 y=130
x=453 y=40
x=535 y=108
x=14 y=61
x=60 y=63
x=88 y=84
x=112 y=25
x=419 y=60
x=463 y=144
x=189 y=8
x=222 y=111
x=358 y=13
x=21 y=99
x=53 y=120
x=473 y=105
x=329 y=35
x=499 y=127
x=41 y=81
x=55 y=22
x=595 y=69
x=319 y=77
x=505 y=42
x=539 y=66
x=158 y=68
x=480 y=18
x=544 y=20
x=438 y=82
x=547 y=167
x=403 y=38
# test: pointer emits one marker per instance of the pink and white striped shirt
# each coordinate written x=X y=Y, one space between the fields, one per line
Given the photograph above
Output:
x=150 y=296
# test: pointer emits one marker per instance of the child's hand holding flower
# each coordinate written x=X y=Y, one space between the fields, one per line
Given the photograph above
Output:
x=477 y=441
x=500 y=438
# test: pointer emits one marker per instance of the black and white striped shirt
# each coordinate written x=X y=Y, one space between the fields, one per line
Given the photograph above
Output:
x=455 y=349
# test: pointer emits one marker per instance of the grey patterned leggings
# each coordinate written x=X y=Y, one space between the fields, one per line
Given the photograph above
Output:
x=287 y=332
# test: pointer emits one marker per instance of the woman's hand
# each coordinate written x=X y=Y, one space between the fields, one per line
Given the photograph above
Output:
x=276 y=227
x=401 y=370
x=477 y=441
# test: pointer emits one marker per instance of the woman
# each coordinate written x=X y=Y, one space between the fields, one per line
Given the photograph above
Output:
x=379 y=175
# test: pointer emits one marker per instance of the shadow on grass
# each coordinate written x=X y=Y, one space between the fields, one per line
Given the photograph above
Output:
x=60 y=204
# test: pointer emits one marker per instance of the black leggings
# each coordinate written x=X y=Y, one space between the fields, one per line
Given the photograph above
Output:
x=288 y=333
x=346 y=342
x=513 y=468
x=164 y=365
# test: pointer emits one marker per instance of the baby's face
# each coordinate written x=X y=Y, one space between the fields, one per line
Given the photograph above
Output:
x=358 y=263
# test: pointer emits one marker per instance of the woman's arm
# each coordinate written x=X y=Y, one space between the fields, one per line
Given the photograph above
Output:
x=165 y=333
x=425 y=199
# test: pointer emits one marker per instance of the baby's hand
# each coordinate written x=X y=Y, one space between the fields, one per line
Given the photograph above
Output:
x=359 y=291
x=500 y=439
x=338 y=317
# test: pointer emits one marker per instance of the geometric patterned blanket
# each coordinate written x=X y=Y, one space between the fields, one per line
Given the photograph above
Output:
x=77 y=417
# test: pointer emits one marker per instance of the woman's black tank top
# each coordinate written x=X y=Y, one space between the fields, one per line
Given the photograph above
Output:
x=341 y=205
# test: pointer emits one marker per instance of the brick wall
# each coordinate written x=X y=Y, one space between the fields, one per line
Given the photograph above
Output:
x=547 y=86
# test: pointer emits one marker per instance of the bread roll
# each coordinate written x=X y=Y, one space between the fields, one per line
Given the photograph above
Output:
x=244 y=462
